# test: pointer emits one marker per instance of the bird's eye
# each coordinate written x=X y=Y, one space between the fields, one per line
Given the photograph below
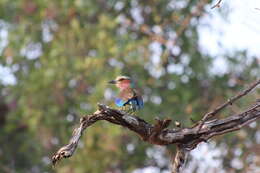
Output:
x=120 y=79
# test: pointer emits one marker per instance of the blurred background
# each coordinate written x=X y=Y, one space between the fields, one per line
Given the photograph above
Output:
x=57 y=56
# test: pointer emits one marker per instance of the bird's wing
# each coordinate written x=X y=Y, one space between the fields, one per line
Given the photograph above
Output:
x=119 y=102
x=140 y=102
x=139 y=99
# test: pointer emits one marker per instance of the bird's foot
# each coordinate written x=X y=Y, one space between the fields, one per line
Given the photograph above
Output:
x=123 y=109
x=131 y=112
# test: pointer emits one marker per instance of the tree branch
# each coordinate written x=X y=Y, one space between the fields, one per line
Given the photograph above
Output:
x=229 y=102
x=216 y=5
x=186 y=139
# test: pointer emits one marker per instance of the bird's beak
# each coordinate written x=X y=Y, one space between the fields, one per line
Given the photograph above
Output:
x=112 y=82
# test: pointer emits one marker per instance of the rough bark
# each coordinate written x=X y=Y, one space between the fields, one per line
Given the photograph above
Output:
x=186 y=139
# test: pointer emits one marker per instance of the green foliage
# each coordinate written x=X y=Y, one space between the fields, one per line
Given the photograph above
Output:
x=83 y=44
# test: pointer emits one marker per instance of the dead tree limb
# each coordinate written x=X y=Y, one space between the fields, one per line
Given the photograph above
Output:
x=179 y=160
x=228 y=102
x=186 y=139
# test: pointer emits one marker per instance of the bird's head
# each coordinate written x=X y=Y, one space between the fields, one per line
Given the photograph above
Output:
x=122 y=82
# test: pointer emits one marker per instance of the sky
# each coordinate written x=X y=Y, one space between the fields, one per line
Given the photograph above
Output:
x=239 y=30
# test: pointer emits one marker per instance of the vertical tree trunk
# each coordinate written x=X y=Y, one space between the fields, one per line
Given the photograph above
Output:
x=179 y=160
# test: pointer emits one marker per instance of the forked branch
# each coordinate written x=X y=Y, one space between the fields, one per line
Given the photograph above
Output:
x=185 y=139
x=228 y=102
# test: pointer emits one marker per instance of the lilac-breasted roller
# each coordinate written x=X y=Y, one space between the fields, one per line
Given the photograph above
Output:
x=128 y=94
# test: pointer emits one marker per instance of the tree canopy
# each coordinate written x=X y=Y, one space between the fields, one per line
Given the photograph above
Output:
x=61 y=54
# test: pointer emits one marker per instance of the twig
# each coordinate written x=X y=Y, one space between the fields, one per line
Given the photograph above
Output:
x=216 y=5
x=229 y=102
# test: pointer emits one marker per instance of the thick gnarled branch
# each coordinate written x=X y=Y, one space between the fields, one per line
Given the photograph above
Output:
x=114 y=116
x=158 y=133
x=185 y=139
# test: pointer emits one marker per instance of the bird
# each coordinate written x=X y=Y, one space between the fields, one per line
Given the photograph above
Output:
x=128 y=94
